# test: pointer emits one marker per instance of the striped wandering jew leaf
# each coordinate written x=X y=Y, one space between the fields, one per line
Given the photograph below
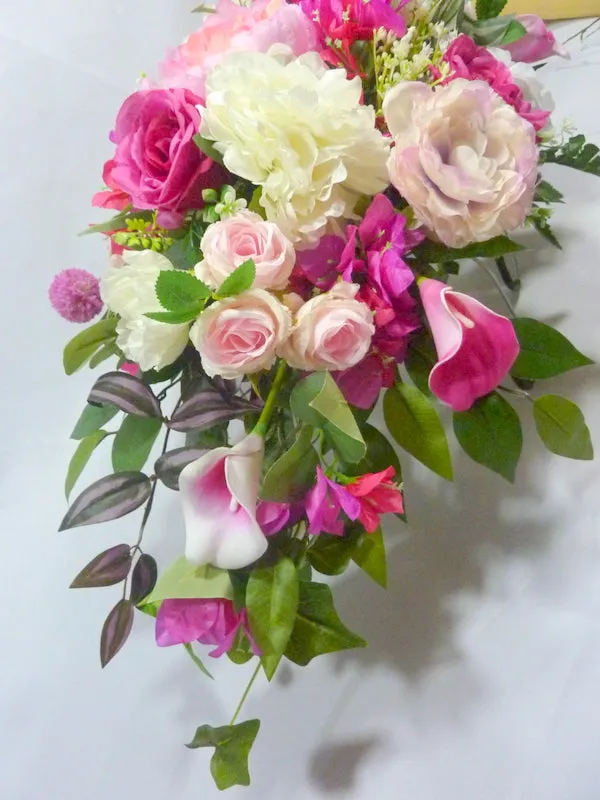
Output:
x=116 y=630
x=126 y=392
x=107 y=569
x=109 y=498
x=169 y=466
x=206 y=408
x=143 y=578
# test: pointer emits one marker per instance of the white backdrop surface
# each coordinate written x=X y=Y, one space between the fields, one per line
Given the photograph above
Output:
x=482 y=681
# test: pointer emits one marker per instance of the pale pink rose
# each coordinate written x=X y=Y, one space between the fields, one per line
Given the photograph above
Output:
x=254 y=27
x=241 y=335
x=463 y=159
x=333 y=331
x=232 y=241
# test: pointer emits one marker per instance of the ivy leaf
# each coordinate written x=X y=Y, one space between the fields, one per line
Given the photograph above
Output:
x=272 y=603
x=83 y=346
x=116 y=630
x=107 y=569
x=490 y=433
x=369 y=554
x=318 y=629
x=92 y=419
x=290 y=477
x=240 y=280
x=109 y=498
x=413 y=422
x=232 y=743
x=180 y=291
x=186 y=581
x=561 y=426
x=205 y=408
x=133 y=442
x=80 y=458
x=544 y=351
x=493 y=248
x=487 y=9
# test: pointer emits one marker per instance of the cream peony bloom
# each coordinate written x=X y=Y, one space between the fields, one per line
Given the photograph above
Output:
x=464 y=159
x=297 y=129
x=128 y=289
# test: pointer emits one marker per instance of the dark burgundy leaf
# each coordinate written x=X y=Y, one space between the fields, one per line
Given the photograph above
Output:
x=115 y=630
x=109 y=498
x=143 y=578
x=169 y=466
x=110 y=567
x=206 y=408
x=126 y=392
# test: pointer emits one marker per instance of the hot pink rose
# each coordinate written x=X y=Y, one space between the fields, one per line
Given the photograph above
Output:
x=232 y=241
x=241 y=335
x=333 y=331
x=475 y=346
x=538 y=43
x=156 y=161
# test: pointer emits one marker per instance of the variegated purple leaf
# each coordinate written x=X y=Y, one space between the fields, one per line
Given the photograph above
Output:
x=143 y=578
x=109 y=498
x=207 y=408
x=126 y=392
x=116 y=630
x=169 y=466
x=110 y=567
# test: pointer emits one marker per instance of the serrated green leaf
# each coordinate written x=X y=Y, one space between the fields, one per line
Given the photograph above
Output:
x=180 y=291
x=92 y=419
x=83 y=346
x=546 y=193
x=544 y=352
x=543 y=227
x=493 y=248
x=575 y=153
x=80 y=458
x=272 y=603
x=133 y=442
x=488 y=9
x=561 y=426
x=240 y=280
x=290 y=477
x=232 y=743
x=183 y=580
x=497 y=31
x=318 y=629
x=490 y=433
x=414 y=423
x=369 y=554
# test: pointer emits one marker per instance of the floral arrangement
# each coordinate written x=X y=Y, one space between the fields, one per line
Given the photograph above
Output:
x=294 y=194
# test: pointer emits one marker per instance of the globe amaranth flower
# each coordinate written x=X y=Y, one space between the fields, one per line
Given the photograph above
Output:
x=75 y=295
x=299 y=131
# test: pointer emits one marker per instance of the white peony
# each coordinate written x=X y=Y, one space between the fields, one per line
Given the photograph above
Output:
x=297 y=129
x=128 y=289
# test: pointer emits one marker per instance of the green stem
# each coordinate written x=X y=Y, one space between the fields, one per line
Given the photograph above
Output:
x=507 y=302
x=267 y=412
x=516 y=392
x=245 y=695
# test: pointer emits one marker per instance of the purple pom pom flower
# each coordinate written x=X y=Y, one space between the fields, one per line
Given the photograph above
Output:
x=75 y=295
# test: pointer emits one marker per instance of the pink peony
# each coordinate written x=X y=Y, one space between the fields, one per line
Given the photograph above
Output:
x=472 y=62
x=475 y=346
x=75 y=295
x=538 y=43
x=156 y=161
x=377 y=495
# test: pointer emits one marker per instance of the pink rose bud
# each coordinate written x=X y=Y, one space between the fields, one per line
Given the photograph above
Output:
x=538 y=43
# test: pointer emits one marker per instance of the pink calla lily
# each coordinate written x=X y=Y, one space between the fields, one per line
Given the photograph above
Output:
x=475 y=346
x=219 y=494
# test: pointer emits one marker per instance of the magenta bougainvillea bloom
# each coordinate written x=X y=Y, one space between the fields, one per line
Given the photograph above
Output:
x=377 y=495
x=324 y=503
x=475 y=346
x=75 y=294
x=211 y=621
x=272 y=517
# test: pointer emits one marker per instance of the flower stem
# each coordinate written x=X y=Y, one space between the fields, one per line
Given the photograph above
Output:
x=507 y=302
x=245 y=695
x=516 y=392
x=267 y=412
x=150 y=501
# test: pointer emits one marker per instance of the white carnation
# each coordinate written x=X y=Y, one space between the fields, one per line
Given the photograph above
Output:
x=298 y=130
x=128 y=289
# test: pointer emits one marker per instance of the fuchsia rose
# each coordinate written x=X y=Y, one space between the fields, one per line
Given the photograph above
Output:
x=219 y=493
x=324 y=503
x=538 y=43
x=212 y=622
x=475 y=346
x=156 y=161
x=472 y=62
x=377 y=495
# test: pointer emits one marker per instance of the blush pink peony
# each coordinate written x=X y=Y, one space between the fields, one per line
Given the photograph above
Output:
x=464 y=159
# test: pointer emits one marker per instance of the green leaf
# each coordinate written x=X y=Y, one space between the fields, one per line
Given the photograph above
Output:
x=499 y=31
x=546 y=193
x=272 y=603
x=514 y=31
x=413 y=422
x=318 y=401
x=133 y=442
x=487 y=9
x=493 y=248
x=575 y=153
x=290 y=477
x=80 y=458
x=180 y=291
x=207 y=146
x=369 y=554
x=83 y=346
x=318 y=629
x=92 y=419
x=197 y=660
x=544 y=351
x=105 y=352
x=186 y=581
x=490 y=433
x=330 y=554
x=232 y=743
x=420 y=360
x=543 y=227
x=240 y=651
x=379 y=456
x=176 y=317
x=239 y=281
x=561 y=426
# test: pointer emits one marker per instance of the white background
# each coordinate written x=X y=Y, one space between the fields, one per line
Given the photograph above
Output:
x=483 y=675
